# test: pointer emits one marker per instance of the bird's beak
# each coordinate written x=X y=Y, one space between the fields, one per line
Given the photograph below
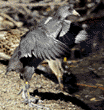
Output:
x=75 y=13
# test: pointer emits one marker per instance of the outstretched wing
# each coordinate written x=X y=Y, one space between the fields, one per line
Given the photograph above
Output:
x=39 y=43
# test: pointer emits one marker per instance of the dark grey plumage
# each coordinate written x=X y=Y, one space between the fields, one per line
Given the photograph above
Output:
x=71 y=33
x=44 y=42
x=40 y=44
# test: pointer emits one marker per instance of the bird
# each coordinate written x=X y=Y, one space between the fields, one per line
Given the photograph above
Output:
x=43 y=43
x=71 y=34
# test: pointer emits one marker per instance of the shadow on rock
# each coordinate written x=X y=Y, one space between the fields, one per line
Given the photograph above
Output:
x=62 y=97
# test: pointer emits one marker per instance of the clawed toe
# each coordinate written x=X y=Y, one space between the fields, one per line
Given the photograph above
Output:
x=33 y=103
x=38 y=106
x=31 y=100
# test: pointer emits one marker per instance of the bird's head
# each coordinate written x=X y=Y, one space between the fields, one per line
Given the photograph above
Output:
x=65 y=11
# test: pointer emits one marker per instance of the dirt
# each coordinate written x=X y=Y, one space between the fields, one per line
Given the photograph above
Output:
x=87 y=93
x=11 y=85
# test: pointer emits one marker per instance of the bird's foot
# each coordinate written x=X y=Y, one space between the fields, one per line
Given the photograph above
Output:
x=40 y=107
x=32 y=102
x=60 y=80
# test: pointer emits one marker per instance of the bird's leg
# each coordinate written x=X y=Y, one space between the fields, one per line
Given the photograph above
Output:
x=32 y=101
x=25 y=93
x=56 y=67
x=60 y=80
x=61 y=70
x=29 y=99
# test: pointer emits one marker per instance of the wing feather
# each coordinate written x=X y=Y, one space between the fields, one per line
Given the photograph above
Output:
x=41 y=45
